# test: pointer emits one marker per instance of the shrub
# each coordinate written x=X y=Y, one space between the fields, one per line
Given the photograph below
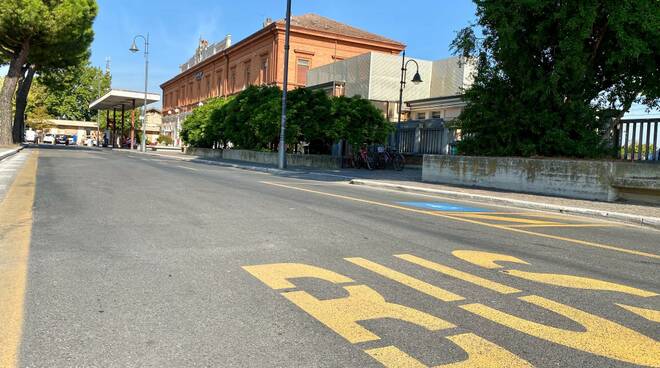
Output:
x=165 y=139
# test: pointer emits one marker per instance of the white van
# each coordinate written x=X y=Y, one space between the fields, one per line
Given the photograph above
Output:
x=30 y=136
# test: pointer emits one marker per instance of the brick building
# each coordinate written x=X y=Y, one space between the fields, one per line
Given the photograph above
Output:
x=224 y=69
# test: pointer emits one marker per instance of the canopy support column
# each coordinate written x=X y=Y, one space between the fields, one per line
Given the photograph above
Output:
x=121 y=140
x=133 y=125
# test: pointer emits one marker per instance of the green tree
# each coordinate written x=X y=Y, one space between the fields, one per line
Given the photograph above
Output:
x=39 y=30
x=70 y=90
x=553 y=78
x=252 y=119
x=359 y=122
x=311 y=112
x=204 y=127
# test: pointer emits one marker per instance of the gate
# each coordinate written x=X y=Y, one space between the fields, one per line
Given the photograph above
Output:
x=418 y=137
x=637 y=140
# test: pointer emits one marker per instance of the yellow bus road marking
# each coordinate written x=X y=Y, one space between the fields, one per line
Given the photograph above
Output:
x=481 y=353
x=362 y=304
x=650 y=314
x=341 y=315
x=496 y=226
x=404 y=279
x=15 y=232
x=476 y=280
x=277 y=275
x=578 y=282
x=600 y=336
x=488 y=259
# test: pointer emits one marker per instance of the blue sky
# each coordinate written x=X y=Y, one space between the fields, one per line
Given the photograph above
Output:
x=175 y=27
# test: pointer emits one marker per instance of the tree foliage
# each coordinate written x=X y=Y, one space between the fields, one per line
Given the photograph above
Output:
x=251 y=120
x=553 y=78
x=70 y=90
x=203 y=127
x=40 y=32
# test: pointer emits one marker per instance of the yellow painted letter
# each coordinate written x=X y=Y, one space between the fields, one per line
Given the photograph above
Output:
x=363 y=303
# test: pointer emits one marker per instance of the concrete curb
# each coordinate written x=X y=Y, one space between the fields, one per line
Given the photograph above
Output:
x=653 y=222
x=11 y=153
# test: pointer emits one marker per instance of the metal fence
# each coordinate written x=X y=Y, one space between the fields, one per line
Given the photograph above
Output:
x=418 y=137
x=405 y=140
x=637 y=140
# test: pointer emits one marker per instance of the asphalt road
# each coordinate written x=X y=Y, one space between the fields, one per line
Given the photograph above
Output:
x=141 y=261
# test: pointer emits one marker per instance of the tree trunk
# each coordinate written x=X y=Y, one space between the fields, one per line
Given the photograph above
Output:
x=7 y=92
x=21 y=102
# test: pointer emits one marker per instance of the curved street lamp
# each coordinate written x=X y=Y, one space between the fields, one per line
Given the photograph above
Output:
x=135 y=49
x=417 y=79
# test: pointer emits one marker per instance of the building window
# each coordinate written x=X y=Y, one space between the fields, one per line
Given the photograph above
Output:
x=421 y=115
x=263 y=71
x=436 y=115
x=248 y=75
x=302 y=66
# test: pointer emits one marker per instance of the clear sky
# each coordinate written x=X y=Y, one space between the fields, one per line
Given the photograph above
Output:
x=176 y=26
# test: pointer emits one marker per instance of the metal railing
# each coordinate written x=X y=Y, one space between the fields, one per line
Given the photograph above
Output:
x=637 y=139
x=417 y=137
x=405 y=140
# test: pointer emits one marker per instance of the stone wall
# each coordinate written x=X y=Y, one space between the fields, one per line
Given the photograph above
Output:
x=268 y=158
x=584 y=179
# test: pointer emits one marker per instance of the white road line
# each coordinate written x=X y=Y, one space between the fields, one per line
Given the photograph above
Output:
x=189 y=168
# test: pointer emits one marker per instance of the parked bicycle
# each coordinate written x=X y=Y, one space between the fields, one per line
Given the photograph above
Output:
x=362 y=159
x=389 y=158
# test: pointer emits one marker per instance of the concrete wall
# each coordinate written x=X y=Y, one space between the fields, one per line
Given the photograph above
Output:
x=268 y=158
x=596 y=180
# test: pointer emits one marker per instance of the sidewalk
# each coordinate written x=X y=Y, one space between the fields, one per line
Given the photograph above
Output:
x=7 y=151
x=410 y=180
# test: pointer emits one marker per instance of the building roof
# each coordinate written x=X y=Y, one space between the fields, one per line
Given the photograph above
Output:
x=318 y=23
x=70 y=123
x=115 y=98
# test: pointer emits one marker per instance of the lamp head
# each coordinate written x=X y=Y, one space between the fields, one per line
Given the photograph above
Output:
x=134 y=47
x=417 y=79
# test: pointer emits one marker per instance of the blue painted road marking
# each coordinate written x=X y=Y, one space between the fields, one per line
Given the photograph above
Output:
x=447 y=207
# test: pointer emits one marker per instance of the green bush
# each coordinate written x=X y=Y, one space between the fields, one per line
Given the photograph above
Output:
x=251 y=120
x=200 y=129
x=165 y=139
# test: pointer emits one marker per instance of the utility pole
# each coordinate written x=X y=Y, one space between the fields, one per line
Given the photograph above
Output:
x=282 y=149
x=98 y=112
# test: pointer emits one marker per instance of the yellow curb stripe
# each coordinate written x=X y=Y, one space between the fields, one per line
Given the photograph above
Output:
x=502 y=227
x=15 y=232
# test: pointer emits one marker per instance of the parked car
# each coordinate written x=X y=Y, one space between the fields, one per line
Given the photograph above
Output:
x=49 y=139
x=61 y=139
x=30 y=136
x=70 y=140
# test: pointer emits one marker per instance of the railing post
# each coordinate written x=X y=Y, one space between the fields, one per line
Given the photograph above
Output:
x=418 y=139
x=656 y=151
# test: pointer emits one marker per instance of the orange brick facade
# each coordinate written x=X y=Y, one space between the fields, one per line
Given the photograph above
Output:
x=259 y=59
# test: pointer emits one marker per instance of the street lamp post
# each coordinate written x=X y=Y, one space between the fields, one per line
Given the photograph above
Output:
x=177 y=142
x=417 y=79
x=281 y=162
x=135 y=49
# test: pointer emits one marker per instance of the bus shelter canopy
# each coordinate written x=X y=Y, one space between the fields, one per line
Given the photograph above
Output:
x=117 y=98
